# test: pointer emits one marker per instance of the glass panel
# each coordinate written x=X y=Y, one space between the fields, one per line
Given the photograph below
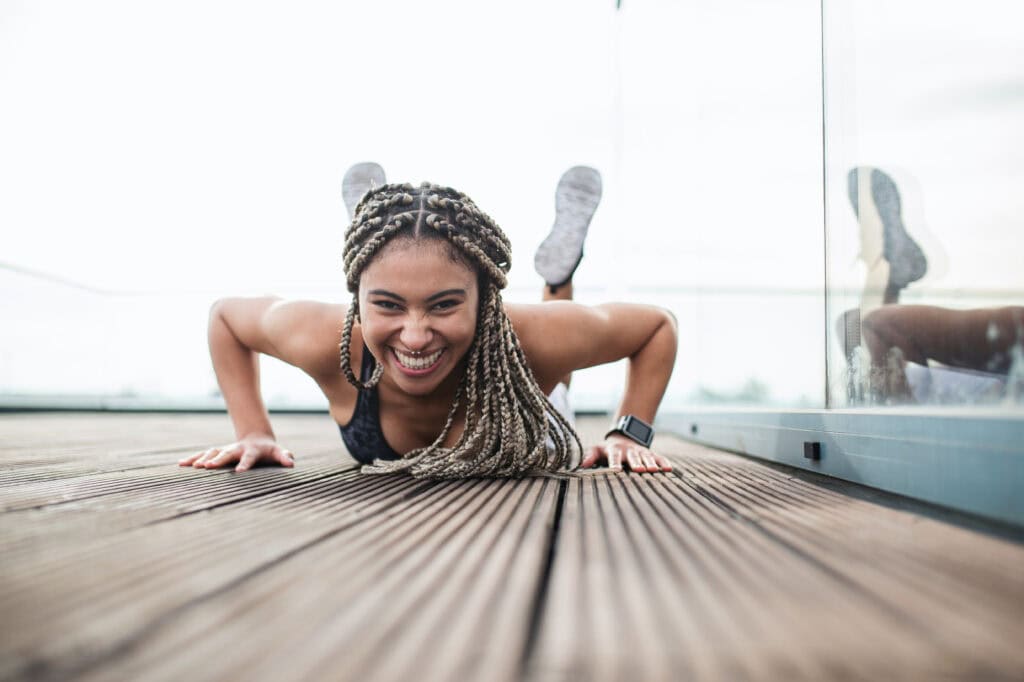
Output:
x=173 y=177
x=925 y=162
x=746 y=275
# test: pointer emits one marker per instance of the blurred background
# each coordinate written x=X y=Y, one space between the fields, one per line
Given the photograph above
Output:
x=155 y=157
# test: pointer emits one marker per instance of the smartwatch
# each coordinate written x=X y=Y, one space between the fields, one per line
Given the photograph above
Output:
x=635 y=429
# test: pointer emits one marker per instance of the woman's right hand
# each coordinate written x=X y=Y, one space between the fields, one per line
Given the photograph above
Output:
x=247 y=452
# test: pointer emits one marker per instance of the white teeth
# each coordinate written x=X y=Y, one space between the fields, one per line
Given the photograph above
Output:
x=411 y=362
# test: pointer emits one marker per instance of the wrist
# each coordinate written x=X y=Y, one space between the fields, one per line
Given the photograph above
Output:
x=256 y=433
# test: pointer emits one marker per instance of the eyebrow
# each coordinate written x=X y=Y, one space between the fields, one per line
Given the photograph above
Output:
x=432 y=297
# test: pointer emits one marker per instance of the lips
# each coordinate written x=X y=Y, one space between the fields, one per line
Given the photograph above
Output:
x=417 y=363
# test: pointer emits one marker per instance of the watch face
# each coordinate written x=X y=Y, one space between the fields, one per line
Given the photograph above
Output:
x=639 y=431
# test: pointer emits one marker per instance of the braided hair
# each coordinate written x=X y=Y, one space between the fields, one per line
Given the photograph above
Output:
x=511 y=428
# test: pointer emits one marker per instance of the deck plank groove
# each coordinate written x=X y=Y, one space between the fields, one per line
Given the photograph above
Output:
x=36 y=495
x=896 y=578
x=119 y=565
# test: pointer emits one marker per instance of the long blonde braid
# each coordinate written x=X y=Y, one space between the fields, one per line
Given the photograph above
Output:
x=511 y=427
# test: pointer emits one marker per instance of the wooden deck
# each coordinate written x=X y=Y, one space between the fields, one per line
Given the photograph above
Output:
x=119 y=565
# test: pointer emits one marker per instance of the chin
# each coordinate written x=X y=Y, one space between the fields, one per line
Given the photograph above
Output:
x=418 y=389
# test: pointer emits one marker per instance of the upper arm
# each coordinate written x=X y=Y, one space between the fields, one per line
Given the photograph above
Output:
x=559 y=337
x=304 y=334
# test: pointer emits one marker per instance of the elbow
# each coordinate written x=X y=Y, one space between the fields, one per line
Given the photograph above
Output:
x=668 y=333
x=219 y=307
x=670 y=319
x=662 y=339
x=669 y=326
x=216 y=312
x=219 y=315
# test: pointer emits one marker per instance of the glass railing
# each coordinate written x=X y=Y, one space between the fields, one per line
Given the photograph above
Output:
x=925 y=159
x=66 y=345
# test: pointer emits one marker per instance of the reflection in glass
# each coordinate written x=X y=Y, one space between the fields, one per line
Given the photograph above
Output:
x=923 y=147
x=918 y=353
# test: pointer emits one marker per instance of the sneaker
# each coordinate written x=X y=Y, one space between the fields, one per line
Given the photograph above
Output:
x=576 y=199
x=882 y=229
x=358 y=180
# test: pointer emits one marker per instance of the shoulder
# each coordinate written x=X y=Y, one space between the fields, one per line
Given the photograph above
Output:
x=303 y=333
x=310 y=332
x=553 y=336
x=562 y=336
x=535 y=322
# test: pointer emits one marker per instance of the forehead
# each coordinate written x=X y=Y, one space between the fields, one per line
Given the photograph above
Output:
x=416 y=266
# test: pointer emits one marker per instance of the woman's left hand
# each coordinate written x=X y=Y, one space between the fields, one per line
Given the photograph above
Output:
x=618 y=449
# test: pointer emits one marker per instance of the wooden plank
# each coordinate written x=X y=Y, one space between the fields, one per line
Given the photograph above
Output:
x=743 y=572
x=950 y=611
x=117 y=564
x=28 y=441
x=58 y=528
x=131 y=480
x=100 y=593
x=666 y=605
x=43 y=479
x=412 y=595
x=158 y=573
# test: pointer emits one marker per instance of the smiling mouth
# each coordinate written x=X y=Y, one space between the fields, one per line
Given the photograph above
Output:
x=417 y=363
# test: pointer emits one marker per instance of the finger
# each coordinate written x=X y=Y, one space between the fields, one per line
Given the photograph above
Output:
x=285 y=457
x=246 y=461
x=226 y=455
x=634 y=460
x=590 y=459
x=204 y=456
x=615 y=458
x=186 y=461
x=647 y=457
x=663 y=463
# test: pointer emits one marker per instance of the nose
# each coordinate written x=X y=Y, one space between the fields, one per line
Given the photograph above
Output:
x=416 y=333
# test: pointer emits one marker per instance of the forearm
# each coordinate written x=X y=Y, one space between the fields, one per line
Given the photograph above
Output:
x=237 y=370
x=649 y=371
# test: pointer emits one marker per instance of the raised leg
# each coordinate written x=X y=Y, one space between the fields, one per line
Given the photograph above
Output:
x=576 y=199
x=562 y=293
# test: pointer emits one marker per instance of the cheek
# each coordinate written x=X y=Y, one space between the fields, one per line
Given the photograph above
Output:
x=459 y=330
x=376 y=328
x=469 y=327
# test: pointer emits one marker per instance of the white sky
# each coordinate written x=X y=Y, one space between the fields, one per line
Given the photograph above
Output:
x=204 y=142
x=197 y=148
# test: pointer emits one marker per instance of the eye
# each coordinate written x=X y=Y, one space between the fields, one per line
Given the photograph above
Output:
x=446 y=304
x=385 y=305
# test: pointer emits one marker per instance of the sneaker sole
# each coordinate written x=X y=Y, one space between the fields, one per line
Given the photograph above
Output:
x=358 y=180
x=576 y=200
x=907 y=262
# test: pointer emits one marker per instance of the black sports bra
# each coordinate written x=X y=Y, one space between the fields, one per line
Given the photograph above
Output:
x=362 y=435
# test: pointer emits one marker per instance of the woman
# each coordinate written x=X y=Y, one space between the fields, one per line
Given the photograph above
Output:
x=438 y=376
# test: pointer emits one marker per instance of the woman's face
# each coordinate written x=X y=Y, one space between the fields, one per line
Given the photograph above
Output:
x=418 y=311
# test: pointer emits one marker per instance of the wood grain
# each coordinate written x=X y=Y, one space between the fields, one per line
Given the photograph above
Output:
x=119 y=565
